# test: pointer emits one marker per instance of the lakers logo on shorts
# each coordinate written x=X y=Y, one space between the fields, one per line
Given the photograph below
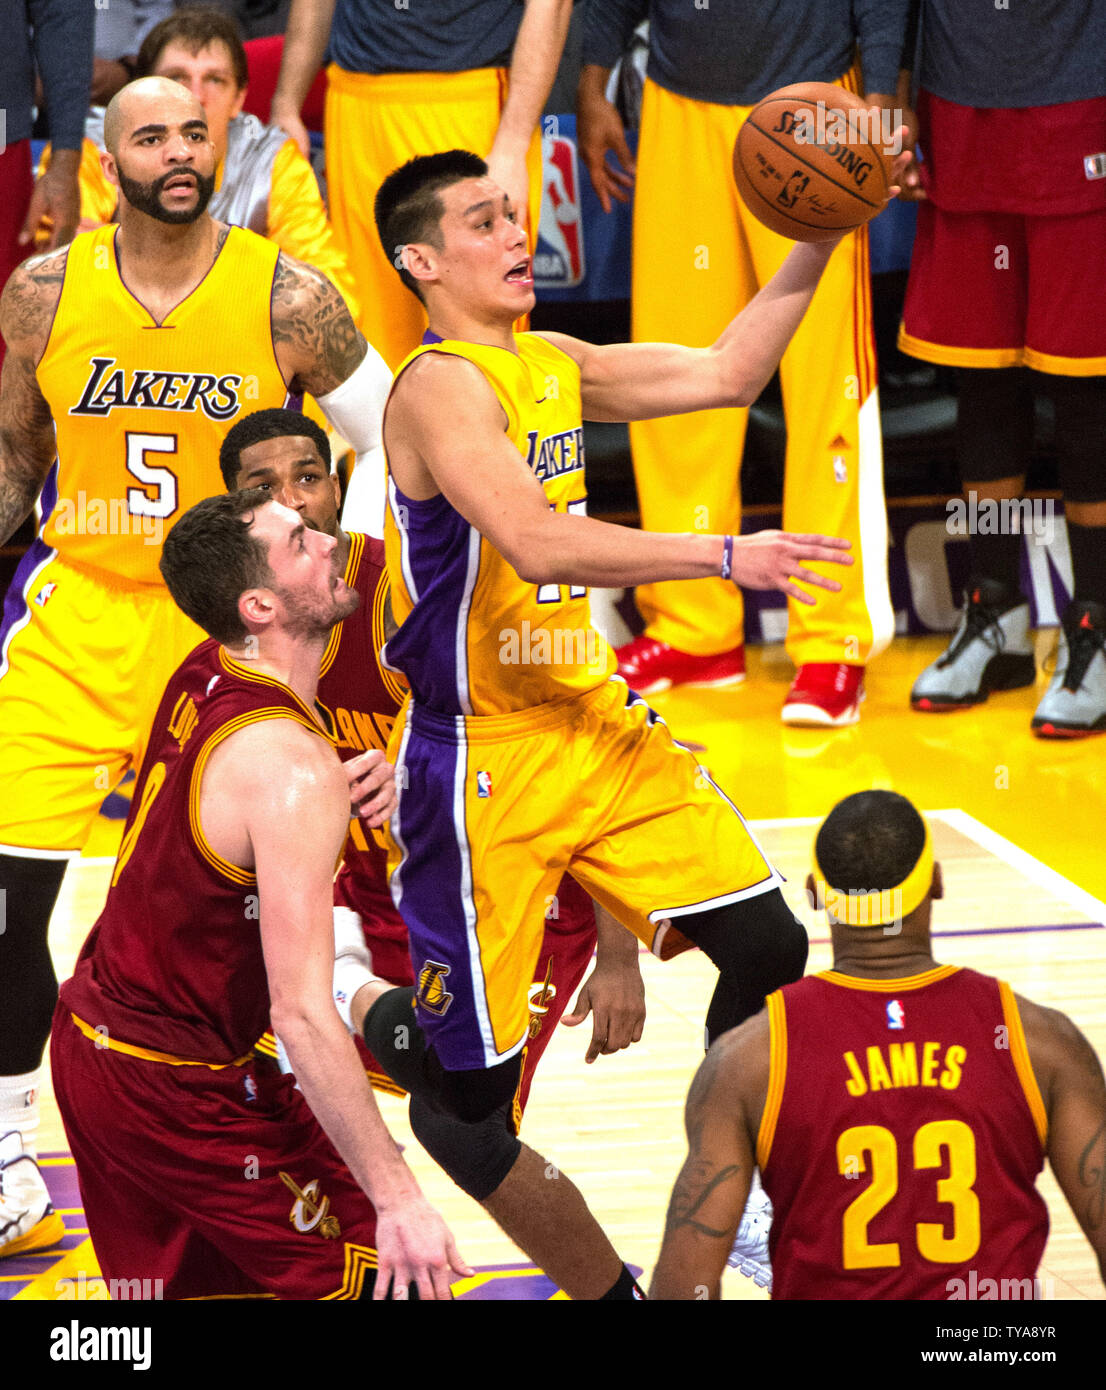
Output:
x=432 y=993
x=309 y=1210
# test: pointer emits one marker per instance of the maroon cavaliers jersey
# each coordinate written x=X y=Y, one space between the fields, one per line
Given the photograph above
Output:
x=364 y=699
x=902 y=1135
x=174 y=963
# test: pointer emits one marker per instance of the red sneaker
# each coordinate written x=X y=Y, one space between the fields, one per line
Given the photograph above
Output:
x=826 y=694
x=647 y=666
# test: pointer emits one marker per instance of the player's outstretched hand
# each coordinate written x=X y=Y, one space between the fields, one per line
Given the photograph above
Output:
x=415 y=1246
x=615 y=998
x=775 y=560
x=372 y=787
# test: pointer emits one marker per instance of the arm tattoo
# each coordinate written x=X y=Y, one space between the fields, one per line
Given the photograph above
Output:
x=694 y=1185
x=698 y=1178
x=1092 y=1175
x=26 y=425
x=312 y=328
x=31 y=297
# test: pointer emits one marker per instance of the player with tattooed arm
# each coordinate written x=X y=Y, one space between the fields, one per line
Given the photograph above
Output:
x=899 y=1110
x=130 y=354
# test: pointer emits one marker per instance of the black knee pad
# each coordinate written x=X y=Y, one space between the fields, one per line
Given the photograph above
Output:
x=476 y=1156
x=476 y=1095
x=398 y=1043
x=392 y=1032
x=757 y=944
x=28 y=985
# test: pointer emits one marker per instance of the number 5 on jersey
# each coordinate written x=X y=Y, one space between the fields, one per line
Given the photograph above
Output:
x=162 y=501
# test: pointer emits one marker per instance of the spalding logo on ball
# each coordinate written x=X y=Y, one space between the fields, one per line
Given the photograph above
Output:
x=804 y=165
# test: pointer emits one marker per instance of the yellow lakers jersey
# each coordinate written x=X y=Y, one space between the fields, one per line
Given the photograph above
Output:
x=141 y=408
x=473 y=637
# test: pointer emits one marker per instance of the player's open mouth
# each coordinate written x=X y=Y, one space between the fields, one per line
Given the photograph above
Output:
x=520 y=274
x=183 y=183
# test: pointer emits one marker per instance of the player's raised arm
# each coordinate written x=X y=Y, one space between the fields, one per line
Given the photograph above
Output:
x=1074 y=1091
x=641 y=381
x=445 y=433
x=27 y=444
x=713 y=1185
x=296 y=827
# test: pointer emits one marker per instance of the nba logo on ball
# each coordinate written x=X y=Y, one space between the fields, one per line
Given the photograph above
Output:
x=483 y=784
x=559 y=256
x=896 y=1014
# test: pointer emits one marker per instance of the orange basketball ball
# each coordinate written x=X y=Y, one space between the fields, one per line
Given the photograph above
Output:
x=809 y=162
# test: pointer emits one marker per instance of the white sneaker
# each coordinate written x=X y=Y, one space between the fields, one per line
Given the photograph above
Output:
x=749 y=1255
x=28 y=1220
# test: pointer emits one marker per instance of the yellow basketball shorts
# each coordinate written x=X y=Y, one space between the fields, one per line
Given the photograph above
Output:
x=83 y=666
x=494 y=810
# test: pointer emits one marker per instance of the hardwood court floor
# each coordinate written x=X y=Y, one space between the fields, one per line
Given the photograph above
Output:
x=1018 y=824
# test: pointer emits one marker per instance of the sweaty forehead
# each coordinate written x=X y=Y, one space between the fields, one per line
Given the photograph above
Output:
x=168 y=105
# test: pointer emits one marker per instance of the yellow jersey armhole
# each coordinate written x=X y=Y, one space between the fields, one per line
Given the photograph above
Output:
x=777 y=1075
x=1019 y=1054
x=234 y=872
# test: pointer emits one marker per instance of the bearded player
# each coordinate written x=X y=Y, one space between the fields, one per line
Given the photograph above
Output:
x=202 y=1167
x=899 y=1110
x=130 y=353
x=287 y=456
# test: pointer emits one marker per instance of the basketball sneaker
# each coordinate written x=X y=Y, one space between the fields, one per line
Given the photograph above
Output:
x=28 y=1220
x=990 y=650
x=825 y=694
x=648 y=666
x=1074 y=704
x=749 y=1255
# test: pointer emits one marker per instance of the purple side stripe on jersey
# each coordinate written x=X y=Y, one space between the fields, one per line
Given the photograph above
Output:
x=435 y=887
x=430 y=648
x=16 y=606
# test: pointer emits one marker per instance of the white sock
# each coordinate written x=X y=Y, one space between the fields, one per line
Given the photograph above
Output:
x=19 y=1108
x=353 y=962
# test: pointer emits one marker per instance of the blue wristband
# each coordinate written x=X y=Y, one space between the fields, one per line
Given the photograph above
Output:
x=727 y=557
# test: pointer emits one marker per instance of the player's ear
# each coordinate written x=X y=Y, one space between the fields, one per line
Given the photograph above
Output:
x=107 y=164
x=419 y=260
x=336 y=484
x=811 y=895
x=257 y=608
x=937 y=886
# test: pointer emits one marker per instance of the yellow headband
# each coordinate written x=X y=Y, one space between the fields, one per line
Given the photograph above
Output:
x=879 y=907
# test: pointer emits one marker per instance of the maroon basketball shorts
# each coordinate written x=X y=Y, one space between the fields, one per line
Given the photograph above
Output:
x=219 y=1183
x=1003 y=289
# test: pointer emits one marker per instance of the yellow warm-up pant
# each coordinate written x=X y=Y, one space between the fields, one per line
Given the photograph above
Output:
x=373 y=125
x=699 y=257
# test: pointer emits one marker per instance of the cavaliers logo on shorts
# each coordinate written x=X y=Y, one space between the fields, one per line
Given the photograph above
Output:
x=432 y=993
x=309 y=1210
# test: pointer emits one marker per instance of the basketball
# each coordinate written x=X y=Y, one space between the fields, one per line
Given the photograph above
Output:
x=804 y=163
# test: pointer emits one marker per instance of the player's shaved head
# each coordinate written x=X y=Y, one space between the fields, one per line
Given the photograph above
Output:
x=149 y=101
